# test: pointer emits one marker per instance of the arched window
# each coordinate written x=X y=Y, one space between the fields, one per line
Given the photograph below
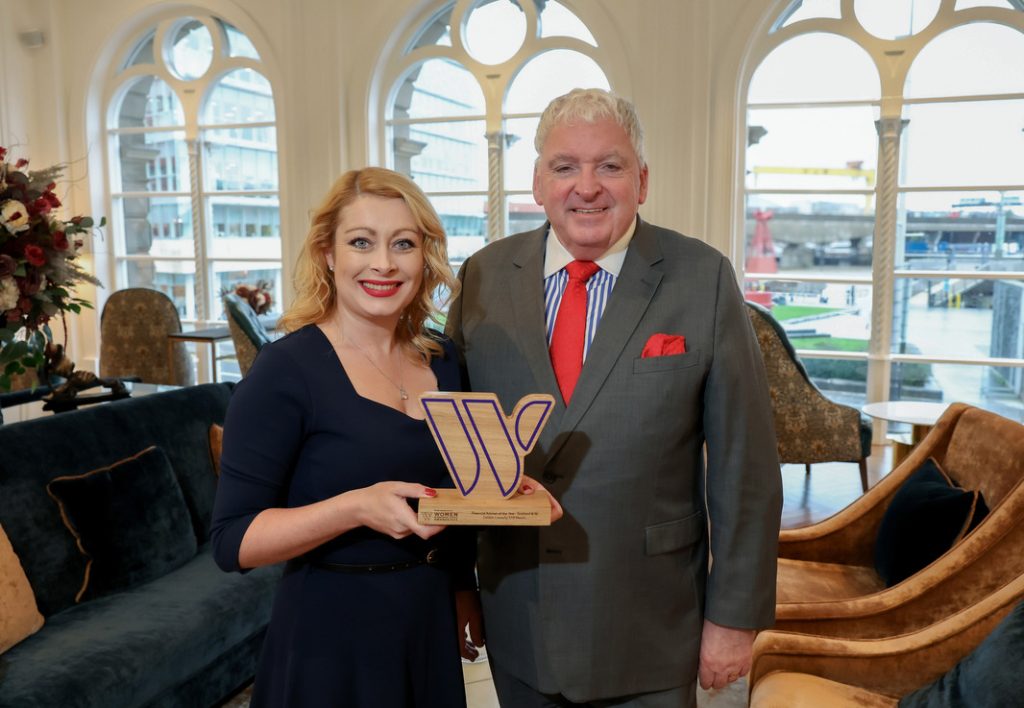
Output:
x=193 y=165
x=461 y=104
x=885 y=196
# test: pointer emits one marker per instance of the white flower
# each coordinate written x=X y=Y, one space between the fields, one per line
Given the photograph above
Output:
x=9 y=294
x=14 y=216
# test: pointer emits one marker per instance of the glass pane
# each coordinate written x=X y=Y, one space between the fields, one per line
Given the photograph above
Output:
x=960 y=231
x=230 y=274
x=243 y=96
x=813 y=232
x=240 y=159
x=817 y=316
x=494 y=31
x=465 y=222
x=998 y=389
x=891 y=19
x=519 y=152
x=841 y=380
x=964 y=4
x=437 y=31
x=238 y=43
x=815 y=67
x=149 y=103
x=969 y=143
x=805 y=148
x=524 y=214
x=958 y=316
x=969 y=60
x=157 y=226
x=142 y=53
x=191 y=50
x=442 y=157
x=550 y=75
x=152 y=162
x=176 y=279
x=809 y=9
x=438 y=88
x=558 y=21
x=244 y=226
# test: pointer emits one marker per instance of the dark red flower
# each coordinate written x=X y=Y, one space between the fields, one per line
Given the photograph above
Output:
x=60 y=241
x=20 y=163
x=51 y=198
x=24 y=304
x=39 y=206
x=3 y=152
x=13 y=314
x=35 y=255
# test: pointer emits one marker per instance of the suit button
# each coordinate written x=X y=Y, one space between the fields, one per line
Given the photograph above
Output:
x=550 y=477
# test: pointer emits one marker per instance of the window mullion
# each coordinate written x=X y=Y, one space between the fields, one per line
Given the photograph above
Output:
x=195 y=153
x=883 y=261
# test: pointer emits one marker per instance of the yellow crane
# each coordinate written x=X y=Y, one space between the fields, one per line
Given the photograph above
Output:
x=852 y=170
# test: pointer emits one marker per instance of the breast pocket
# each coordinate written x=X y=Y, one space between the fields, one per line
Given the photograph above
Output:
x=666 y=363
x=673 y=535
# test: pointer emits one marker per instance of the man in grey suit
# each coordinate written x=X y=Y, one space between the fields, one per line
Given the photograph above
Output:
x=660 y=448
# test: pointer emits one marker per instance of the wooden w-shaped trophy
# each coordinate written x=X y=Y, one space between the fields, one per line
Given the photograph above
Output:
x=484 y=451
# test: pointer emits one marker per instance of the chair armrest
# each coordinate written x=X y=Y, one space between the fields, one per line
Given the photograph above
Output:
x=895 y=665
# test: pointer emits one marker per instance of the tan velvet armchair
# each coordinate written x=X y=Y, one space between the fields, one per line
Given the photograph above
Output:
x=827 y=584
x=792 y=670
x=809 y=426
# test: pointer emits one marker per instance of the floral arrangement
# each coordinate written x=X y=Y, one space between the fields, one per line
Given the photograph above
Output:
x=258 y=295
x=38 y=269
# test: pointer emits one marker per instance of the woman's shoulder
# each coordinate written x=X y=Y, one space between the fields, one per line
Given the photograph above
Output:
x=296 y=346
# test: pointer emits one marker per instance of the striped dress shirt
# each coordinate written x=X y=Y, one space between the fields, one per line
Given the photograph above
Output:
x=599 y=287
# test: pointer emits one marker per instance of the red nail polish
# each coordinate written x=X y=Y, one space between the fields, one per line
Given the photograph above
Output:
x=430 y=492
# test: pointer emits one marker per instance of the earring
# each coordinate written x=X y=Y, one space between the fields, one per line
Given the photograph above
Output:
x=330 y=268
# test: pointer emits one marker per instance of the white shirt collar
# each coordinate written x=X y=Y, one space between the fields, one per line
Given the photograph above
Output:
x=557 y=257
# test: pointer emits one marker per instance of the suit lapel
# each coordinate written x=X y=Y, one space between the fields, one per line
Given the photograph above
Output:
x=527 y=290
x=634 y=288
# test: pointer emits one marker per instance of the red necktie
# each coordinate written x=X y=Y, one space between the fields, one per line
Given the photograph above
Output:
x=571 y=328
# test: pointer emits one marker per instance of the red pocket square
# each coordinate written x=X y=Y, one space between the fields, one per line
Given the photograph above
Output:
x=664 y=345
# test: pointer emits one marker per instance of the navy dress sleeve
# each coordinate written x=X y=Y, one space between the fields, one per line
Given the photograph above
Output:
x=263 y=432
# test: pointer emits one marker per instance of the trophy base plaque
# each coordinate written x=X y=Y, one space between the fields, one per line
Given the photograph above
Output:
x=452 y=509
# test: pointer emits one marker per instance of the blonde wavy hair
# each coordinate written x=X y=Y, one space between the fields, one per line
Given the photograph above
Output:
x=315 y=296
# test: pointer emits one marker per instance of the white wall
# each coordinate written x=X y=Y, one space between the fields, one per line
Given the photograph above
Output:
x=683 y=61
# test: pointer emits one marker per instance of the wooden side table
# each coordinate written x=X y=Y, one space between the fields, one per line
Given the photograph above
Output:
x=920 y=415
x=210 y=336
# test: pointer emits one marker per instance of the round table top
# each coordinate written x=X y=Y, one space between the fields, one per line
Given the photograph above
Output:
x=912 y=412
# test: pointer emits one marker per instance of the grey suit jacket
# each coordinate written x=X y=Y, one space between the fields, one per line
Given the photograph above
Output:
x=610 y=600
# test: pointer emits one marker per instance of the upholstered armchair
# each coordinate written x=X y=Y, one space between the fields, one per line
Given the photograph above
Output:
x=133 y=339
x=793 y=670
x=809 y=426
x=827 y=582
x=247 y=332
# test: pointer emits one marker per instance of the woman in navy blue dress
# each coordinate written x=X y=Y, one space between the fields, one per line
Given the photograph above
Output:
x=324 y=449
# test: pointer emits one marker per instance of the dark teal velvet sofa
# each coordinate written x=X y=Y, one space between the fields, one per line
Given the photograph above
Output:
x=189 y=637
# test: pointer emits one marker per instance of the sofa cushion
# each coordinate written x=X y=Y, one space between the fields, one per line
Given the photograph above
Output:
x=129 y=519
x=19 y=616
x=988 y=677
x=811 y=581
x=928 y=515
x=76 y=442
x=785 y=689
x=127 y=649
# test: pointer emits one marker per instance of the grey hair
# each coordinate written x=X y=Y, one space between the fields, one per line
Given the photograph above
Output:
x=589 y=106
